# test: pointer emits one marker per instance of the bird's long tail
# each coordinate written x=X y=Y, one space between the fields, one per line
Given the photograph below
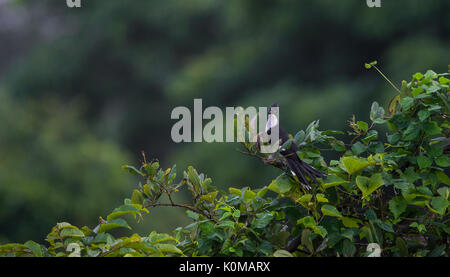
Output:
x=303 y=171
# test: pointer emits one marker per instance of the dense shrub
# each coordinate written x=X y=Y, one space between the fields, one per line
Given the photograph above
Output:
x=387 y=195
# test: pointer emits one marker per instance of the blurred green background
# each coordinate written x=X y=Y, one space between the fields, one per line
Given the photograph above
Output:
x=83 y=91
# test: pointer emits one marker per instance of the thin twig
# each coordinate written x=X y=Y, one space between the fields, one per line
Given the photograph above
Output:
x=186 y=206
x=387 y=79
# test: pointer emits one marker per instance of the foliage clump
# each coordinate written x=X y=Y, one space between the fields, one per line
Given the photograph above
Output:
x=386 y=195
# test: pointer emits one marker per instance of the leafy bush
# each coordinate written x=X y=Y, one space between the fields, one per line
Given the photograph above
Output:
x=387 y=195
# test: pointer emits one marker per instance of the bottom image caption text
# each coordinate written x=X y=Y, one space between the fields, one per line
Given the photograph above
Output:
x=224 y=266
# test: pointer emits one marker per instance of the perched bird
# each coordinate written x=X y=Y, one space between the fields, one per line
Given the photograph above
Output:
x=298 y=168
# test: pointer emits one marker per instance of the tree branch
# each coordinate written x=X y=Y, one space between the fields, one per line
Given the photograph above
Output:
x=186 y=206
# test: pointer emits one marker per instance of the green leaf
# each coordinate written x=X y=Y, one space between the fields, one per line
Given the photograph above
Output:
x=207 y=228
x=235 y=191
x=280 y=238
x=362 y=183
x=348 y=248
x=210 y=197
x=338 y=146
x=444 y=192
x=431 y=128
x=363 y=126
x=168 y=248
x=430 y=74
x=424 y=162
x=227 y=224
x=151 y=168
x=236 y=213
x=432 y=89
x=262 y=192
x=406 y=103
x=193 y=177
x=333 y=181
x=420 y=227
x=369 y=185
x=353 y=164
x=371 y=135
x=225 y=216
x=282 y=184
x=262 y=220
x=137 y=197
x=410 y=175
x=423 y=114
x=370 y=65
x=132 y=170
x=71 y=232
x=402 y=247
x=307 y=240
x=193 y=215
x=299 y=137
x=376 y=113
x=443 y=161
x=435 y=151
x=350 y=222
x=444 y=80
x=330 y=211
x=438 y=251
x=321 y=198
x=282 y=253
x=411 y=132
x=397 y=206
x=358 y=148
x=435 y=107
x=321 y=231
x=307 y=221
x=155 y=237
x=147 y=190
x=376 y=147
x=248 y=195
x=443 y=177
x=305 y=199
x=122 y=210
x=416 y=91
x=206 y=184
x=394 y=138
x=384 y=225
x=418 y=76
x=439 y=204
x=34 y=247
x=113 y=224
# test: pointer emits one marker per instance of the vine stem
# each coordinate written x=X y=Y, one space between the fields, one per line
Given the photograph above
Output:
x=360 y=135
x=386 y=78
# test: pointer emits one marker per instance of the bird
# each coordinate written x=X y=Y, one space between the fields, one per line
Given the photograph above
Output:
x=296 y=166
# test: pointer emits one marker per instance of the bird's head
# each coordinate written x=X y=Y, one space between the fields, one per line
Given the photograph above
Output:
x=271 y=109
x=273 y=116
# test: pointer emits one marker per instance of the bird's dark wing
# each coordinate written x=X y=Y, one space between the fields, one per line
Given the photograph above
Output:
x=303 y=170
x=299 y=168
